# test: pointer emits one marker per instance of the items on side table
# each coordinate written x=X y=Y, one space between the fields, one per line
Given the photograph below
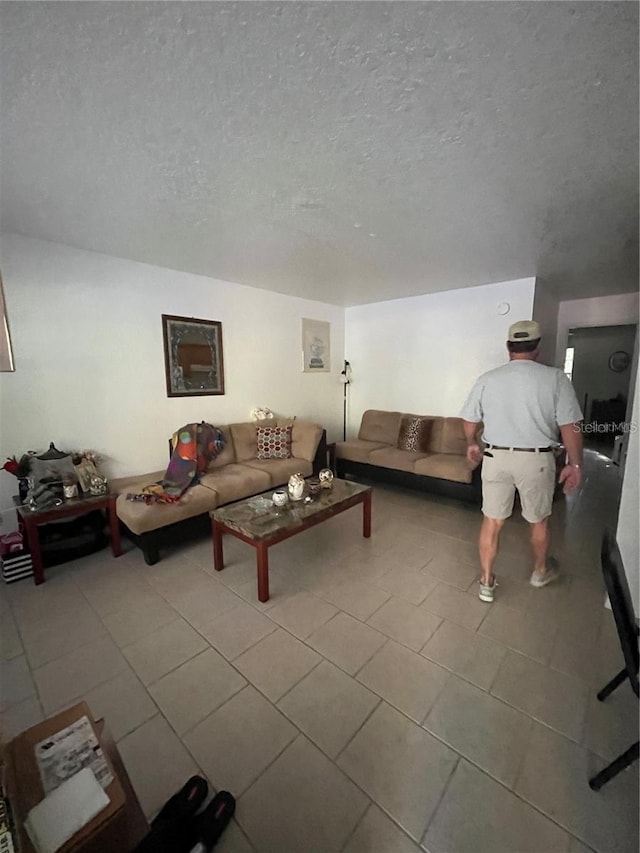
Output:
x=46 y=479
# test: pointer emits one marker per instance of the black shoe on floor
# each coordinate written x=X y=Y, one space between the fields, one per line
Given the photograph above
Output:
x=212 y=822
x=185 y=803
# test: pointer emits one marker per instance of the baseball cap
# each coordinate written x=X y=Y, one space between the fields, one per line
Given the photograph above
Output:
x=524 y=330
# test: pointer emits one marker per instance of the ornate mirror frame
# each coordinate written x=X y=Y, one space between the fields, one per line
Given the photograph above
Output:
x=193 y=359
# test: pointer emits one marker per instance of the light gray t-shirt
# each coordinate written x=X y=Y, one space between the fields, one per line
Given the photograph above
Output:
x=522 y=404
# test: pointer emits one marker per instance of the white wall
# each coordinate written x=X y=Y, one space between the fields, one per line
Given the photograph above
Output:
x=87 y=341
x=629 y=513
x=598 y=311
x=423 y=354
x=545 y=311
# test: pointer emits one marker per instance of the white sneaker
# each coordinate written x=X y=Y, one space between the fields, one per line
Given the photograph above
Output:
x=486 y=591
x=539 y=580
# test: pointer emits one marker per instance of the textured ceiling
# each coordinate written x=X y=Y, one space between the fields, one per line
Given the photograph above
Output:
x=348 y=152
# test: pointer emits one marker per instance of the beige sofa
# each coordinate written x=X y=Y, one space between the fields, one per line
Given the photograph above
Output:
x=437 y=461
x=235 y=474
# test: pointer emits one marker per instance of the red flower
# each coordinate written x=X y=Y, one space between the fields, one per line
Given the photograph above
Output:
x=11 y=465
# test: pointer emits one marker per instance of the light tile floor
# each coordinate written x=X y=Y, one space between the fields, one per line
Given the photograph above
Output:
x=374 y=703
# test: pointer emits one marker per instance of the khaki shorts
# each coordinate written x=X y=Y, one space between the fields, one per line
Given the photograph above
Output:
x=532 y=474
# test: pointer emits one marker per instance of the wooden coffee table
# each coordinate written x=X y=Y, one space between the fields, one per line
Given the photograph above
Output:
x=257 y=522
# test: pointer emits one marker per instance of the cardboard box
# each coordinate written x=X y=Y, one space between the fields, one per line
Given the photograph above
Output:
x=118 y=827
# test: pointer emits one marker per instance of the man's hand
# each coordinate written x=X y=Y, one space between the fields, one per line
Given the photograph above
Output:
x=570 y=478
x=474 y=455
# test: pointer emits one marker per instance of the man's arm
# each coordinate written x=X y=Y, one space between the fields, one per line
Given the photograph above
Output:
x=474 y=451
x=571 y=474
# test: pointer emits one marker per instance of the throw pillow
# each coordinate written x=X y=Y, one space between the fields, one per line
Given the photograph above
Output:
x=274 y=442
x=414 y=434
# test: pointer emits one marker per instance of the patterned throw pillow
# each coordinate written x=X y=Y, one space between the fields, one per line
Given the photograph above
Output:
x=414 y=434
x=274 y=442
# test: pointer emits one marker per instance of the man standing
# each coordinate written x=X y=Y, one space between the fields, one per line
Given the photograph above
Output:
x=522 y=405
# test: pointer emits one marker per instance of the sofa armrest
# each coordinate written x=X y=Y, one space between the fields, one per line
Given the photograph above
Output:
x=320 y=458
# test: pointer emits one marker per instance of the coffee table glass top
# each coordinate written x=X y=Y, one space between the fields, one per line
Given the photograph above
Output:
x=258 y=518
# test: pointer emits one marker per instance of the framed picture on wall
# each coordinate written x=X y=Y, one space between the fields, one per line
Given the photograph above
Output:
x=316 y=346
x=192 y=356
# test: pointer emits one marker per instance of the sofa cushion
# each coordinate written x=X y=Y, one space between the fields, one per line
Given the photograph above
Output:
x=379 y=426
x=245 y=440
x=357 y=450
x=305 y=437
x=234 y=482
x=135 y=484
x=445 y=466
x=141 y=517
x=273 y=442
x=415 y=433
x=392 y=457
x=279 y=470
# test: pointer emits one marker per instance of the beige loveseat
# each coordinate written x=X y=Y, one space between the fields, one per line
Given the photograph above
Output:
x=235 y=474
x=420 y=451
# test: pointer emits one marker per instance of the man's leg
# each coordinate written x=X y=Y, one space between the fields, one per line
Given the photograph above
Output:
x=540 y=538
x=488 y=546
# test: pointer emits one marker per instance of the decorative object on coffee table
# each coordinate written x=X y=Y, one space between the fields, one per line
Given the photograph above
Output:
x=313 y=485
x=296 y=487
x=280 y=497
x=326 y=478
x=192 y=356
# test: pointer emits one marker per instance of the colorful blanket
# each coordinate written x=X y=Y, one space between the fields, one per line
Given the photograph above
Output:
x=194 y=446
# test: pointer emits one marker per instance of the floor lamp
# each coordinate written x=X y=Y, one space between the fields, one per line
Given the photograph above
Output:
x=345 y=378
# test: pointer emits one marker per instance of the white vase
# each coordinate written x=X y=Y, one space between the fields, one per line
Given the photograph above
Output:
x=280 y=497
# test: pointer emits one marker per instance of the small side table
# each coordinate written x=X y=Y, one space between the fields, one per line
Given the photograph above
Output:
x=75 y=507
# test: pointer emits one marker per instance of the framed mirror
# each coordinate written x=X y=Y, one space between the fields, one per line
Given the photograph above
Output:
x=192 y=356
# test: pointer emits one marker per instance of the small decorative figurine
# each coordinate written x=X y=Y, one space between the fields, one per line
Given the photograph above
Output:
x=99 y=485
x=326 y=478
x=296 y=487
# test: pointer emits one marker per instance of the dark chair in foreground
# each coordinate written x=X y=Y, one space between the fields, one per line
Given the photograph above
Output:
x=620 y=598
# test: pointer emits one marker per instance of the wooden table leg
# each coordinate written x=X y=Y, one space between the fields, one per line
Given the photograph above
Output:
x=218 y=558
x=114 y=528
x=366 y=515
x=263 y=571
x=33 y=543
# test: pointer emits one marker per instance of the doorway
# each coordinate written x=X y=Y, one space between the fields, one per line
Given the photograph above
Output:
x=600 y=363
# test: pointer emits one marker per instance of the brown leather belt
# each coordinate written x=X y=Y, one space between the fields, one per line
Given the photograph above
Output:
x=521 y=449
